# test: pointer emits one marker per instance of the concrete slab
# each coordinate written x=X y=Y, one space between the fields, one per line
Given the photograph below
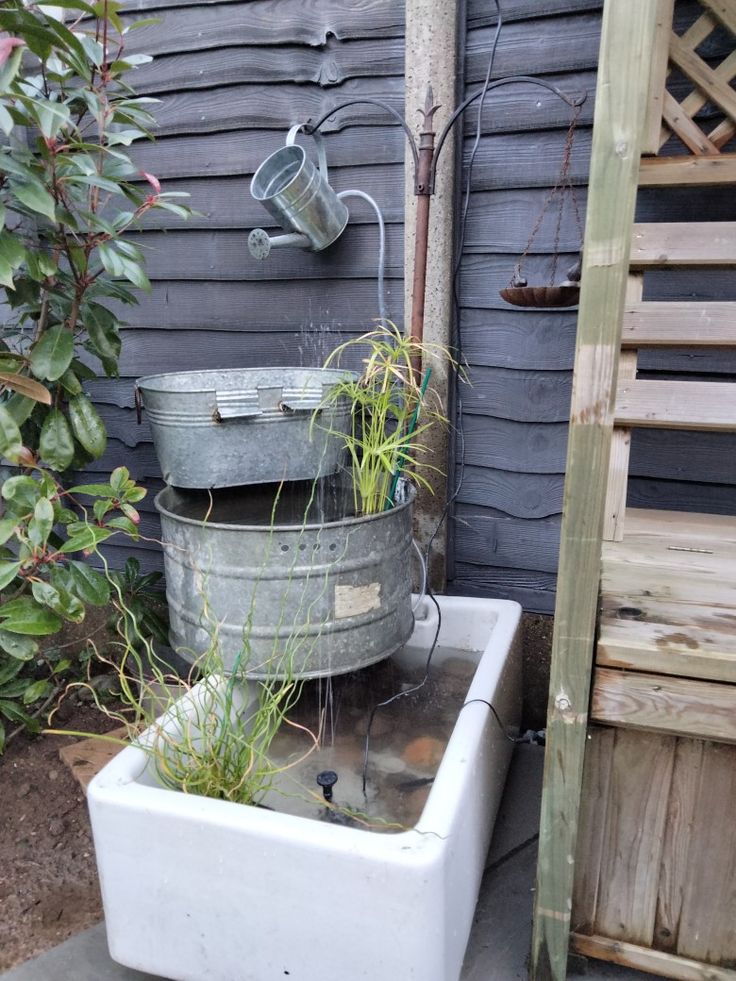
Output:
x=499 y=943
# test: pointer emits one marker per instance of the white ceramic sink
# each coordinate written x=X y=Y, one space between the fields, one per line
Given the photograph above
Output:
x=196 y=889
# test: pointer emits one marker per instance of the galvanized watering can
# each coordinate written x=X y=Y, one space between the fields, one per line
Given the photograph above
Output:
x=299 y=197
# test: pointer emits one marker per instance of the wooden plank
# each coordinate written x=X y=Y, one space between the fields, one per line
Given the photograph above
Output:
x=513 y=213
x=519 y=495
x=511 y=445
x=641 y=771
x=678 y=405
x=267 y=23
x=652 y=324
x=682 y=126
x=594 y=816
x=679 y=455
x=628 y=30
x=234 y=107
x=694 y=171
x=681 y=496
x=542 y=340
x=669 y=528
x=223 y=255
x=534 y=590
x=642 y=959
x=711 y=243
x=663 y=648
x=679 y=843
x=531 y=396
x=325 y=66
x=709 y=902
x=701 y=709
x=536 y=158
x=657 y=76
x=510 y=542
x=618 y=465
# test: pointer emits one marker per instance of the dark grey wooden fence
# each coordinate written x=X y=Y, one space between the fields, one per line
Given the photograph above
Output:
x=232 y=77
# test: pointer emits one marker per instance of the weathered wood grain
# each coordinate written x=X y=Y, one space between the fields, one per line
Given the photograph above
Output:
x=267 y=23
x=327 y=65
x=676 y=405
x=701 y=709
x=527 y=159
x=515 y=338
x=594 y=816
x=234 y=107
x=244 y=150
x=643 y=959
x=678 y=495
x=684 y=244
x=534 y=590
x=657 y=76
x=528 y=396
x=689 y=170
x=223 y=255
x=707 y=457
x=697 y=324
x=511 y=445
x=483 y=276
x=678 y=840
x=510 y=542
x=641 y=772
x=691 y=651
x=502 y=221
x=710 y=884
x=521 y=495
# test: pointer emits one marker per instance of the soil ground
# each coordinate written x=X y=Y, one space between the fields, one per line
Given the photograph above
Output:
x=48 y=881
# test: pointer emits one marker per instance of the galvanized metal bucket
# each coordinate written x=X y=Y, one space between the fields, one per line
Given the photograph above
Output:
x=305 y=595
x=298 y=195
x=244 y=425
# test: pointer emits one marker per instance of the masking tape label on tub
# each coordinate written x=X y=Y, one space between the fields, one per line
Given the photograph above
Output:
x=351 y=601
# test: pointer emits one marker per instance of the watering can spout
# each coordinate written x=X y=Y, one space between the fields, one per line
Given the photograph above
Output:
x=260 y=242
x=298 y=195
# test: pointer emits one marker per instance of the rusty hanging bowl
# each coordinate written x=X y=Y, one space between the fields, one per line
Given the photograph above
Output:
x=541 y=296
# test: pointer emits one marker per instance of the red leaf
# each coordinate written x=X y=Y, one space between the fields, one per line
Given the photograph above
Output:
x=153 y=181
x=6 y=47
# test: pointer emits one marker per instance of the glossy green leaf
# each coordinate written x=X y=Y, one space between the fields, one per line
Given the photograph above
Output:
x=16 y=714
x=21 y=492
x=40 y=527
x=93 y=490
x=36 y=691
x=35 y=197
x=8 y=572
x=53 y=353
x=20 y=408
x=60 y=600
x=56 y=444
x=11 y=442
x=7 y=529
x=87 y=426
x=51 y=116
x=19 y=647
x=85 y=540
x=89 y=584
x=70 y=383
x=25 y=616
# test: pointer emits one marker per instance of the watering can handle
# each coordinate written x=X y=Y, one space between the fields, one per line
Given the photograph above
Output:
x=321 y=151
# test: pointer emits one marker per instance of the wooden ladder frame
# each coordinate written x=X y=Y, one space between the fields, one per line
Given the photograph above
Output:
x=634 y=115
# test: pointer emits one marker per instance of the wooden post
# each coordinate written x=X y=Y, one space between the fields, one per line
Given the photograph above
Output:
x=621 y=101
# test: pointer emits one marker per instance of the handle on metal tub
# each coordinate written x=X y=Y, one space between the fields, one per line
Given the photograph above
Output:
x=231 y=409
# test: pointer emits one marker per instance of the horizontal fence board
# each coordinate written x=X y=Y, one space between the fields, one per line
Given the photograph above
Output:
x=482 y=277
x=657 y=324
x=535 y=591
x=325 y=66
x=226 y=202
x=508 y=542
x=558 y=44
x=680 y=495
x=696 y=285
x=676 y=405
x=516 y=338
x=150 y=560
x=202 y=155
x=672 y=243
x=519 y=495
x=503 y=220
x=508 y=445
x=233 y=107
x=223 y=255
x=700 y=709
x=526 y=159
x=257 y=306
x=707 y=457
x=518 y=106
x=688 y=170
x=265 y=22
x=527 y=396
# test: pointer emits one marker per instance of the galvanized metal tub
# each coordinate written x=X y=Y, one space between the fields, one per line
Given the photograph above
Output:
x=244 y=425
x=307 y=595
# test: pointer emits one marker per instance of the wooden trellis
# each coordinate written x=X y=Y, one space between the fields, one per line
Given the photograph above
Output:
x=638 y=840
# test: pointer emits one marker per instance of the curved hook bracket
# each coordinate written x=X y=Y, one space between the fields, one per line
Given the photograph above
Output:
x=573 y=101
